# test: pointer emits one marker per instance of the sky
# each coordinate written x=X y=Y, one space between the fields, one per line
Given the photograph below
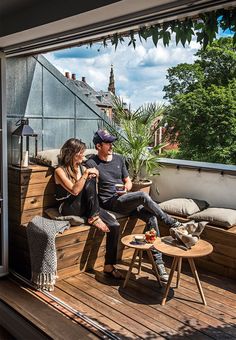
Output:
x=140 y=73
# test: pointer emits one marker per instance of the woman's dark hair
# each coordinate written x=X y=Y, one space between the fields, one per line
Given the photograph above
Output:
x=71 y=147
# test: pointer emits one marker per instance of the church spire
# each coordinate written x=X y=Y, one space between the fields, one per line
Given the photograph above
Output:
x=111 y=86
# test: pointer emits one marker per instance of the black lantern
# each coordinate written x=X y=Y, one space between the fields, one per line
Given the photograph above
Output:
x=21 y=147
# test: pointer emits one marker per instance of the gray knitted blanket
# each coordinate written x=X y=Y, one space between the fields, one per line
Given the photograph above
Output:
x=41 y=233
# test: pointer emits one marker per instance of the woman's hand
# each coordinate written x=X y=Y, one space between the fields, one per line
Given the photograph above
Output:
x=91 y=172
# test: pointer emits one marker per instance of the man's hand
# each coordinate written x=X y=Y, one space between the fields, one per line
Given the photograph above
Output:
x=92 y=172
x=128 y=183
x=123 y=192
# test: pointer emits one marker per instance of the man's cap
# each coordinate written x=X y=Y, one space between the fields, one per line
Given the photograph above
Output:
x=103 y=136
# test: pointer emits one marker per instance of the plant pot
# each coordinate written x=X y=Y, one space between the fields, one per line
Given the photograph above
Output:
x=142 y=185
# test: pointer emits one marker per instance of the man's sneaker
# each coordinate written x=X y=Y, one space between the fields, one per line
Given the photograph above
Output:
x=176 y=224
x=164 y=276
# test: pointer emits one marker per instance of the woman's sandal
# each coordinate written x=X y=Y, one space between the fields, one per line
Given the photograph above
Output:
x=98 y=223
x=115 y=274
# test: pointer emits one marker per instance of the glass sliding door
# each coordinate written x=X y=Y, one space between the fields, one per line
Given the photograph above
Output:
x=3 y=171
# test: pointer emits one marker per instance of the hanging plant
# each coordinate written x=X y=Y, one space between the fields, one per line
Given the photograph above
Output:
x=204 y=27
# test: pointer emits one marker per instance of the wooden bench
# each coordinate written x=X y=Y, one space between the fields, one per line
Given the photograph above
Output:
x=31 y=192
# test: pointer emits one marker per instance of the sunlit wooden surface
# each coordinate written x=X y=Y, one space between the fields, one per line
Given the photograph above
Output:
x=135 y=311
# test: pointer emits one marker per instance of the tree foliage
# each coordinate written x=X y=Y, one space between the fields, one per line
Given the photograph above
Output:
x=202 y=113
x=137 y=129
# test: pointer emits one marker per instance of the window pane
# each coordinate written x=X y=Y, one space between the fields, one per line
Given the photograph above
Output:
x=57 y=99
x=56 y=132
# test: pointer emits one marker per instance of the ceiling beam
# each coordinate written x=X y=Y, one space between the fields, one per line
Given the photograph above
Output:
x=168 y=10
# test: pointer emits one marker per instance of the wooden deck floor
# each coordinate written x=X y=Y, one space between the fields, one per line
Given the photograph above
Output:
x=135 y=312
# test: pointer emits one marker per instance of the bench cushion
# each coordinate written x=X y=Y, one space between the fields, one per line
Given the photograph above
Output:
x=50 y=157
x=54 y=214
x=183 y=206
x=221 y=217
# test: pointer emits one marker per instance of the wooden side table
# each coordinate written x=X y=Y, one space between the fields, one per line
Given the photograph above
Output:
x=201 y=248
x=138 y=251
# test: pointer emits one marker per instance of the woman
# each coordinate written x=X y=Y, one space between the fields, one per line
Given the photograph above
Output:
x=76 y=191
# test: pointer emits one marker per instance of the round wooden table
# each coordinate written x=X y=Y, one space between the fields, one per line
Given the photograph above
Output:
x=201 y=248
x=138 y=251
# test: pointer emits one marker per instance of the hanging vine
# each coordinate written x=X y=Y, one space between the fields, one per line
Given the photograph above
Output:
x=205 y=28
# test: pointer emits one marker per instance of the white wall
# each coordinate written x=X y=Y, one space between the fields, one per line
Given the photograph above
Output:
x=217 y=189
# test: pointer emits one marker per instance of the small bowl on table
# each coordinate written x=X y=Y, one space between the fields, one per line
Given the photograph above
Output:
x=139 y=239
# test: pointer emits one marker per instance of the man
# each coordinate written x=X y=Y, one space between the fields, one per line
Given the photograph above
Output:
x=112 y=171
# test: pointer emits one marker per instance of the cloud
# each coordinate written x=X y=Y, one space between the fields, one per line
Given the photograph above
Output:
x=140 y=73
x=76 y=52
x=168 y=56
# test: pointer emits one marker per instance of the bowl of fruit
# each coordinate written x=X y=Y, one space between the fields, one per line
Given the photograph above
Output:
x=151 y=236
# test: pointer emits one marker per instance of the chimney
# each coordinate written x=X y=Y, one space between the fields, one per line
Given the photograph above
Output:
x=67 y=75
x=84 y=79
x=73 y=76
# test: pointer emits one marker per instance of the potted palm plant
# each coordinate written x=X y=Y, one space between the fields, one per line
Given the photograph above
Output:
x=138 y=129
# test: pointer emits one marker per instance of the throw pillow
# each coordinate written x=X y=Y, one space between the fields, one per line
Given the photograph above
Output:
x=47 y=157
x=89 y=153
x=73 y=219
x=221 y=217
x=54 y=214
x=183 y=206
x=50 y=157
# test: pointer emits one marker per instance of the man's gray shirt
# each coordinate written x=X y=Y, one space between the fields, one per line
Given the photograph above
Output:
x=110 y=173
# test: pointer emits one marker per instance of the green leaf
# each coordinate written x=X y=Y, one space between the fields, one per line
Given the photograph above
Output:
x=142 y=33
x=105 y=42
x=155 y=35
x=166 y=38
x=166 y=26
x=183 y=38
x=115 y=40
x=132 y=39
x=200 y=36
x=234 y=39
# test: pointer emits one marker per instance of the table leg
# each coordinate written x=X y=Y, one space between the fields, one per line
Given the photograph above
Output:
x=173 y=267
x=195 y=274
x=154 y=267
x=130 y=267
x=140 y=254
x=178 y=271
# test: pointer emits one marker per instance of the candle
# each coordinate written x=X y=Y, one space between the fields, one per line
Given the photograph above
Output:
x=25 y=160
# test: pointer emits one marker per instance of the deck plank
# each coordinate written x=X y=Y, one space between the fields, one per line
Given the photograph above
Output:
x=187 y=301
x=99 y=302
x=168 y=313
x=68 y=293
x=121 y=305
x=218 y=313
x=214 y=300
x=41 y=314
x=136 y=311
x=169 y=325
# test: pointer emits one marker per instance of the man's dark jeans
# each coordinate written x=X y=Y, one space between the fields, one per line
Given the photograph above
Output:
x=86 y=204
x=141 y=205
